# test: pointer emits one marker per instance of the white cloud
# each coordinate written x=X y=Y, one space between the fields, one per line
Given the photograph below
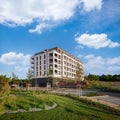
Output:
x=20 y=13
x=90 y=5
x=19 y=63
x=100 y=65
x=39 y=28
x=12 y=58
x=80 y=56
x=89 y=56
x=114 y=61
x=44 y=13
x=96 y=41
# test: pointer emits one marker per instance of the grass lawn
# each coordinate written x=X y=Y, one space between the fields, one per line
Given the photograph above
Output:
x=68 y=109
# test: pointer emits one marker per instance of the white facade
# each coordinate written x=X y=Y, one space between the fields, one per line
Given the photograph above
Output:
x=55 y=62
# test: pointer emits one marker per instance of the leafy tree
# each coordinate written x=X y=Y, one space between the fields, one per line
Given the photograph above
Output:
x=79 y=73
x=29 y=78
x=79 y=78
x=50 y=74
x=29 y=75
x=14 y=78
x=92 y=77
x=4 y=85
x=103 y=77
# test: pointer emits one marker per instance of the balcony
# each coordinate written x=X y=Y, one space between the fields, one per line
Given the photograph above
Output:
x=51 y=56
x=56 y=66
x=50 y=61
x=32 y=61
x=32 y=67
x=50 y=67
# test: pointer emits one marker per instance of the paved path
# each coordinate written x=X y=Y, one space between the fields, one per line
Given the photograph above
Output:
x=106 y=99
x=112 y=99
x=74 y=91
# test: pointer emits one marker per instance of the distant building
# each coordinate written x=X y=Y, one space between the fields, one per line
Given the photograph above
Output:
x=53 y=64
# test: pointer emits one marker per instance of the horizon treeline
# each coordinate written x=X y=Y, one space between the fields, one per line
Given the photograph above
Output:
x=103 y=77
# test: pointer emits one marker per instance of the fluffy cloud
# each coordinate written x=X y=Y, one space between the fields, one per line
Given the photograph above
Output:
x=43 y=12
x=12 y=58
x=39 y=28
x=80 y=56
x=89 y=5
x=96 y=41
x=19 y=63
x=99 y=65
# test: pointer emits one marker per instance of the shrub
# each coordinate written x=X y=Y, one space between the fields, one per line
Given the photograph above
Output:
x=50 y=103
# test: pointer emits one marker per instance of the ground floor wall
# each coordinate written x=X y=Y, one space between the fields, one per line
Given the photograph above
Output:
x=56 y=82
x=42 y=82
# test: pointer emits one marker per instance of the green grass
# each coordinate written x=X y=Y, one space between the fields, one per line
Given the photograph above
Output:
x=24 y=101
x=68 y=109
x=103 y=87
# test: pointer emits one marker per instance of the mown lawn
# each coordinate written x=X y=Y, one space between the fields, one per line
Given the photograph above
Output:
x=68 y=109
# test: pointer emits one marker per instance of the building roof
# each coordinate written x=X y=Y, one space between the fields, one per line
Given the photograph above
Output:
x=57 y=48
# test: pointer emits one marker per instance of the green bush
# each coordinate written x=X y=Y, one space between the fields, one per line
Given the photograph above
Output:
x=92 y=94
x=50 y=103
x=43 y=106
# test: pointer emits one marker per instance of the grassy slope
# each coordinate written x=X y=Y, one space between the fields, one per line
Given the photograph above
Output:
x=68 y=109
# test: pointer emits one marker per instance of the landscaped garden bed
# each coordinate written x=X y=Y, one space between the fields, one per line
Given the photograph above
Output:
x=26 y=102
x=69 y=108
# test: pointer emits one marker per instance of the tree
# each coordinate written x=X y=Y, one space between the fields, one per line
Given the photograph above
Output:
x=4 y=85
x=14 y=78
x=92 y=77
x=79 y=73
x=29 y=78
x=49 y=75
x=79 y=78
x=29 y=75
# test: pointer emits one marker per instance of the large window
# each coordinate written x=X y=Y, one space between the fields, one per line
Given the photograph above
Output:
x=44 y=56
x=40 y=57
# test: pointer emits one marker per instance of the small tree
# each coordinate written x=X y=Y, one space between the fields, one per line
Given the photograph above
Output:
x=79 y=78
x=14 y=78
x=79 y=73
x=4 y=85
x=29 y=75
x=49 y=75
x=29 y=78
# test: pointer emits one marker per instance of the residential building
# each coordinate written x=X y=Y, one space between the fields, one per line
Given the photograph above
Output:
x=55 y=63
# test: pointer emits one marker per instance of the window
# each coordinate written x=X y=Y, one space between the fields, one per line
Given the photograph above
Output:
x=56 y=66
x=36 y=63
x=44 y=67
x=50 y=55
x=40 y=67
x=36 y=68
x=44 y=56
x=56 y=71
x=59 y=73
x=40 y=57
x=44 y=72
x=55 y=55
x=36 y=58
x=36 y=73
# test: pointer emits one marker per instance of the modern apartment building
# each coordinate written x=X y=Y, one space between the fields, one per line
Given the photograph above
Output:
x=55 y=63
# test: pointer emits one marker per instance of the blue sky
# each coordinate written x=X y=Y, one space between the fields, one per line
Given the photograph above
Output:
x=89 y=30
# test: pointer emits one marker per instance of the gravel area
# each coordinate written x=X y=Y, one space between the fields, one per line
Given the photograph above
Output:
x=32 y=109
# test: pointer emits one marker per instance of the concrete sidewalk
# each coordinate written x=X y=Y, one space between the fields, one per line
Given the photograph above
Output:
x=106 y=99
